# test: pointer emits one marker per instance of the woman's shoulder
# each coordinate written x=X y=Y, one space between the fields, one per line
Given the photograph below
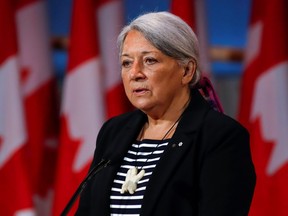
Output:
x=220 y=132
x=220 y=121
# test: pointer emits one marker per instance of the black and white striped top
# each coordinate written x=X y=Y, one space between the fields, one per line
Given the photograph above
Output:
x=144 y=155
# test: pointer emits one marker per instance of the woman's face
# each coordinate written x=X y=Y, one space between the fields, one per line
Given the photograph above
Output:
x=152 y=80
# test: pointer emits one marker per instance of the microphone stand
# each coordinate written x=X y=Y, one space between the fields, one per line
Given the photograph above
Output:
x=103 y=163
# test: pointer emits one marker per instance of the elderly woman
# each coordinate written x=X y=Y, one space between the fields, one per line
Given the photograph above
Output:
x=173 y=155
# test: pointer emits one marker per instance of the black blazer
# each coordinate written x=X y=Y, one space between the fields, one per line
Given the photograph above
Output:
x=210 y=174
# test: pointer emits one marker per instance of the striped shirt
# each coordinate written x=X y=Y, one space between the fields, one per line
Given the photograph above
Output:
x=144 y=155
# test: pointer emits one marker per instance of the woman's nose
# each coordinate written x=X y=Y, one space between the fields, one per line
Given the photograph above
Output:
x=136 y=71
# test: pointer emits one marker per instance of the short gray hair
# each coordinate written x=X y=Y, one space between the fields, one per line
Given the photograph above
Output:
x=169 y=34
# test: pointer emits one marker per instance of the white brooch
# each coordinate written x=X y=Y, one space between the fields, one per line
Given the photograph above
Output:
x=131 y=180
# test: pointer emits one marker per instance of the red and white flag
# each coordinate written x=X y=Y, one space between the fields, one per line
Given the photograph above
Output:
x=92 y=86
x=38 y=87
x=16 y=194
x=264 y=104
x=110 y=18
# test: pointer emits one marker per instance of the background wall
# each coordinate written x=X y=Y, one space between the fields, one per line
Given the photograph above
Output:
x=227 y=30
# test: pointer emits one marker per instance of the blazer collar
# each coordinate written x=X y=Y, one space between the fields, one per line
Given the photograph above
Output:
x=122 y=140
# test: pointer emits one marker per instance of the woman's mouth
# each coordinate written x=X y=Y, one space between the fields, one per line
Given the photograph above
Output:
x=140 y=91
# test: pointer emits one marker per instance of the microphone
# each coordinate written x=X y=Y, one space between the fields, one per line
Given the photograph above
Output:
x=103 y=163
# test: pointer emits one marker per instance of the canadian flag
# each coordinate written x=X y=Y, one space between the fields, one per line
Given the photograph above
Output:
x=38 y=89
x=16 y=194
x=264 y=104
x=92 y=86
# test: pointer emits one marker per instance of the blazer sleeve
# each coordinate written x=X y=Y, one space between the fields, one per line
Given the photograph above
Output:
x=227 y=176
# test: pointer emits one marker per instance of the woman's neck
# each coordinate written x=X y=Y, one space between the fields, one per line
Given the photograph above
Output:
x=163 y=127
x=169 y=113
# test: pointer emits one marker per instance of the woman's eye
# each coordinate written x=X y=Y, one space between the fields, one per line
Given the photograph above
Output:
x=150 y=61
x=126 y=64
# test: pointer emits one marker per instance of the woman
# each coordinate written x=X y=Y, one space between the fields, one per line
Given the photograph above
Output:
x=173 y=155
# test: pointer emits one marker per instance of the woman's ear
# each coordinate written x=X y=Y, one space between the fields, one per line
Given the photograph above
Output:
x=189 y=71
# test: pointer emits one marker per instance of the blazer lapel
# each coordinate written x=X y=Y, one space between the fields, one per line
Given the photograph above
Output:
x=126 y=135
x=182 y=140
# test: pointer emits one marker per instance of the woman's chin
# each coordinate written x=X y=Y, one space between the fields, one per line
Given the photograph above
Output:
x=142 y=105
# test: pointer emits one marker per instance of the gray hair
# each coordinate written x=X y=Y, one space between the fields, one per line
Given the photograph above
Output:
x=169 y=34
